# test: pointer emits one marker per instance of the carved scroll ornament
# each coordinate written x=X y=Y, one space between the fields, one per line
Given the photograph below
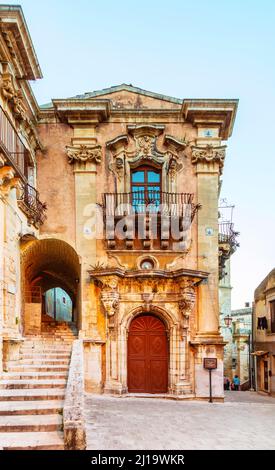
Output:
x=84 y=153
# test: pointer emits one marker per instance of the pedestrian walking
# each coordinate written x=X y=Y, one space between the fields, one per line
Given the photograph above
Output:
x=236 y=382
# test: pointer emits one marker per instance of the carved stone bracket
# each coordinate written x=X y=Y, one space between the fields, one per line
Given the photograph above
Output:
x=187 y=301
x=110 y=298
x=7 y=180
x=84 y=153
x=7 y=86
x=209 y=154
x=117 y=148
x=174 y=166
x=13 y=96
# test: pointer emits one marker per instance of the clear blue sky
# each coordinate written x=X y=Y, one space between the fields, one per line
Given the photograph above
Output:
x=186 y=49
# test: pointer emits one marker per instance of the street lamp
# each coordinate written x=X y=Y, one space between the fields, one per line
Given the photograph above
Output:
x=227 y=321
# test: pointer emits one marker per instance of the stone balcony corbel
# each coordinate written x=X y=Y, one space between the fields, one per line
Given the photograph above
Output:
x=8 y=180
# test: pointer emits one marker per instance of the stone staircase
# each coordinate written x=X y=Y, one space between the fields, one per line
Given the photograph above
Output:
x=32 y=391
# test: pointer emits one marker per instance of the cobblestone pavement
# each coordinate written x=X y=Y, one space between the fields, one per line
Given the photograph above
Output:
x=245 y=421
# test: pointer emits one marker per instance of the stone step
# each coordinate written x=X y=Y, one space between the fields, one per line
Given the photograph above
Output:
x=31 y=408
x=30 y=423
x=60 y=336
x=21 y=384
x=46 y=348
x=34 y=375
x=36 y=361
x=32 y=441
x=58 y=355
x=52 y=342
x=38 y=368
x=32 y=394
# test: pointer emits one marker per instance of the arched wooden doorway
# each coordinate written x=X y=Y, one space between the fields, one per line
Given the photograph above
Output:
x=147 y=356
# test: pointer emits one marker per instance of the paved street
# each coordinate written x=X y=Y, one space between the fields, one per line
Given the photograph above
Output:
x=245 y=421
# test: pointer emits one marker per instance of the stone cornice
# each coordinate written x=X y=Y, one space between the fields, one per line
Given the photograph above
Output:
x=174 y=142
x=79 y=111
x=152 y=130
x=17 y=37
x=208 y=112
x=198 y=276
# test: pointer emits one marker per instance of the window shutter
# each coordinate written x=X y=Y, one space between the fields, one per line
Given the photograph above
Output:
x=272 y=315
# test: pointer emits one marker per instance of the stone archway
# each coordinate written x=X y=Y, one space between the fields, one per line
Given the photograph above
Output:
x=147 y=366
x=47 y=264
x=117 y=349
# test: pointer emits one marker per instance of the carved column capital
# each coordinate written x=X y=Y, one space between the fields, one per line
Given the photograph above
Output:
x=209 y=155
x=84 y=153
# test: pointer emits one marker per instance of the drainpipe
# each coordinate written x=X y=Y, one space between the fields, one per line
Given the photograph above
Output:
x=54 y=303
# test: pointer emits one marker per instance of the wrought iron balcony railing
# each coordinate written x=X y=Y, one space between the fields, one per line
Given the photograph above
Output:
x=227 y=245
x=153 y=220
x=227 y=235
x=12 y=146
x=31 y=204
x=16 y=155
x=149 y=201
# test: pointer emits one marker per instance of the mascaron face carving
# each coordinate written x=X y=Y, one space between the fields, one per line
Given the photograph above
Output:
x=83 y=153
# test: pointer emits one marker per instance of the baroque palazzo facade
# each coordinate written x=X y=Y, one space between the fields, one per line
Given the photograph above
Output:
x=130 y=180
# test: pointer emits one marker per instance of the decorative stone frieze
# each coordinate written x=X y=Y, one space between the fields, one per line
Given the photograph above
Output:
x=209 y=154
x=84 y=153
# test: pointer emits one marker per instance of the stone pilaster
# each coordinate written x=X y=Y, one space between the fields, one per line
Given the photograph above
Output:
x=209 y=162
x=208 y=342
x=85 y=159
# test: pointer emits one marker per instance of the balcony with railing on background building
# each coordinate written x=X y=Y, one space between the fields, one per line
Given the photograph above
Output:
x=15 y=154
x=151 y=219
x=227 y=244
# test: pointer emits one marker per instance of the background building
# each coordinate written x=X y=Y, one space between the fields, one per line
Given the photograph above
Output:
x=264 y=334
x=21 y=210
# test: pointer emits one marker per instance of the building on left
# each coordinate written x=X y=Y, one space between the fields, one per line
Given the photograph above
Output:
x=21 y=210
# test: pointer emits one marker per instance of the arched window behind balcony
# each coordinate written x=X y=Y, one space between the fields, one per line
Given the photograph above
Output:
x=146 y=188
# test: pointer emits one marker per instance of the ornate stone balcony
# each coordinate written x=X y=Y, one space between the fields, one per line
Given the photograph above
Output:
x=227 y=244
x=148 y=220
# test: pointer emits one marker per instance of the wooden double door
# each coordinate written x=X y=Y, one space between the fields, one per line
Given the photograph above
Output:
x=147 y=356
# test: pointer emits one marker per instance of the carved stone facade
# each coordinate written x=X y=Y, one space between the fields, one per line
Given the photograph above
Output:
x=85 y=153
